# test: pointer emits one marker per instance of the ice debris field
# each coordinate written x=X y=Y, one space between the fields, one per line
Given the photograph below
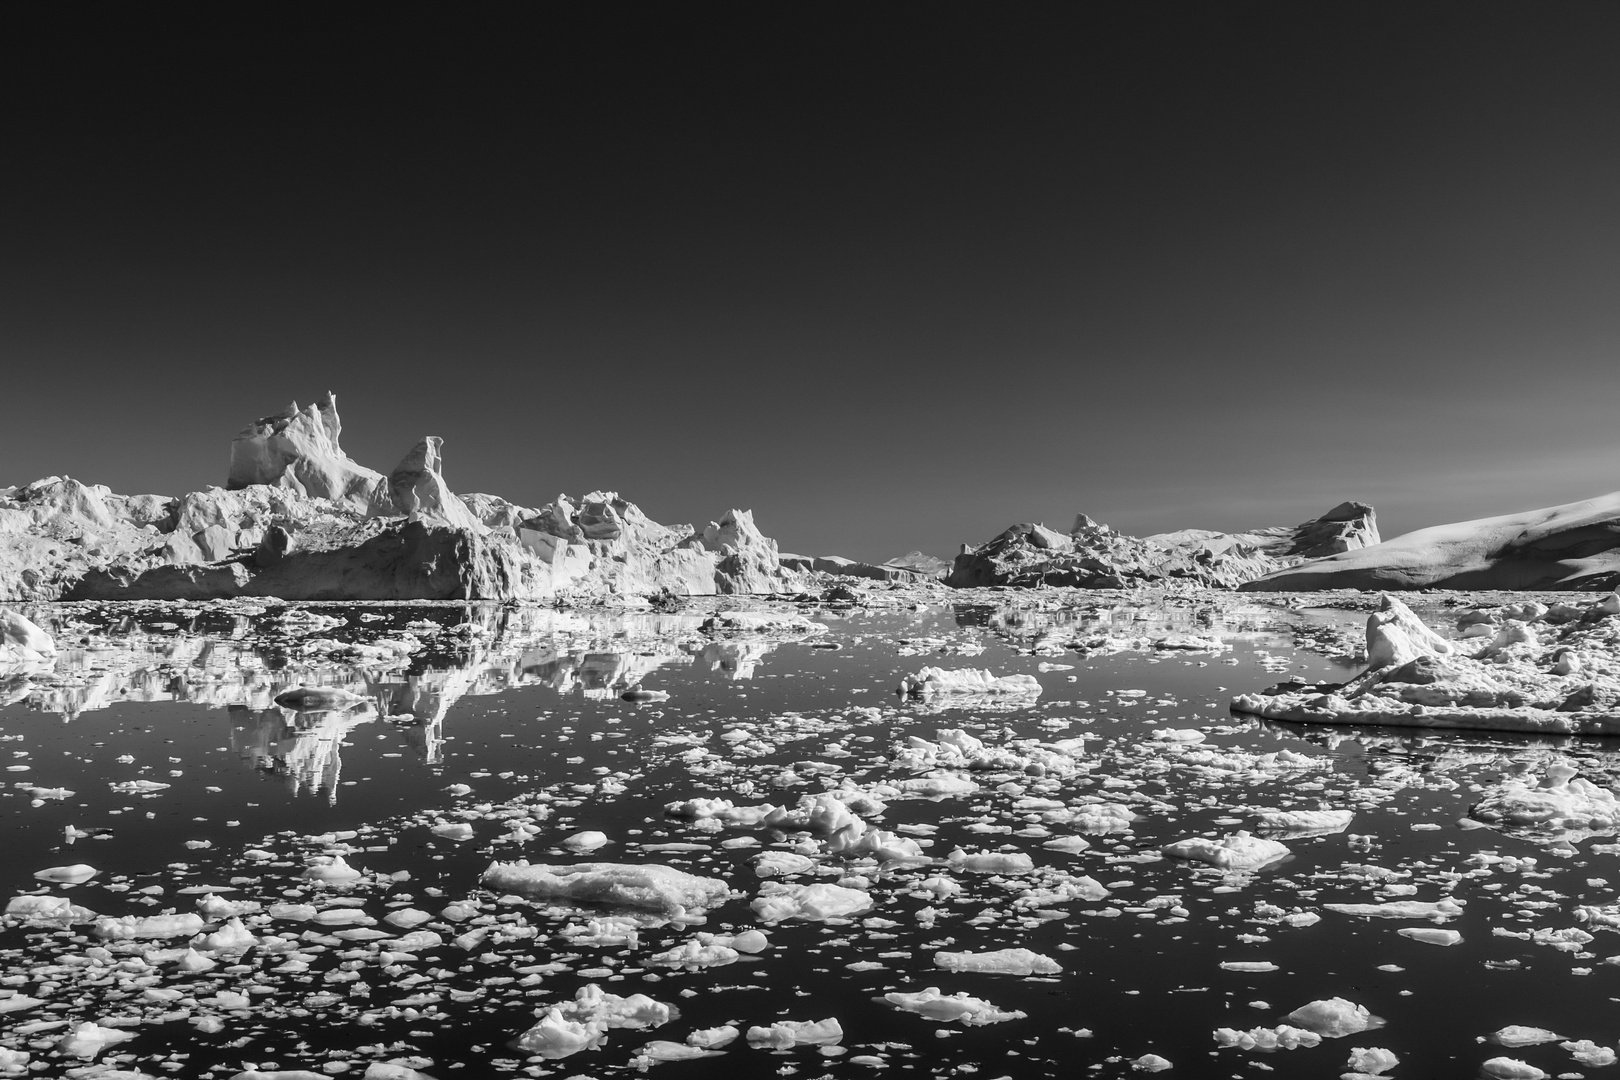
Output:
x=1019 y=836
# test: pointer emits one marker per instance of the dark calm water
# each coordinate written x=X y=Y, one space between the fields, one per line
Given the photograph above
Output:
x=522 y=707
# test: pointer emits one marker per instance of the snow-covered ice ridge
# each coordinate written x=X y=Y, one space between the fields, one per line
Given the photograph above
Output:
x=804 y=869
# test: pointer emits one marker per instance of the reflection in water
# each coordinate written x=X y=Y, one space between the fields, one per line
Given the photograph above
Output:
x=409 y=665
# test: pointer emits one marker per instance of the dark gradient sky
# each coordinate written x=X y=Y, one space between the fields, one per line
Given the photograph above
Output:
x=894 y=276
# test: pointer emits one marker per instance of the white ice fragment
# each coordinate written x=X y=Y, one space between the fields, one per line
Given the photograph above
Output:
x=1238 y=851
x=586 y=841
x=453 y=830
x=406 y=918
x=1438 y=911
x=67 y=875
x=137 y=787
x=1516 y=1035
x=333 y=871
x=999 y=962
x=777 y=902
x=1430 y=935
x=232 y=937
x=48 y=909
x=659 y=888
x=1590 y=1053
x=1281 y=1037
x=714 y=1038
x=1506 y=1068
x=786 y=1034
x=957 y=1008
x=1371 y=1060
x=992 y=862
x=1302 y=823
x=694 y=954
x=782 y=864
x=88 y=1039
x=1253 y=966
x=1334 y=1017
x=131 y=927
x=931 y=681
x=1151 y=1063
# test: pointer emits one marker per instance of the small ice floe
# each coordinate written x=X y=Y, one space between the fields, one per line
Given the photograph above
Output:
x=137 y=787
x=1237 y=851
x=88 y=1039
x=714 y=1038
x=1517 y=1035
x=778 y=902
x=1151 y=1063
x=1302 y=823
x=950 y=1008
x=586 y=841
x=933 y=682
x=1590 y=1053
x=1560 y=805
x=1334 y=1018
x=312 y=698
x=718 y=809
x=1436 y=911
x=650 y=886
x=67 y=875
x=1281 y=1037
x=58 y=910
x=1251 y=966
x=1371 y=1060
x=453 y=830
x=132 y=927
x=332 y=871
x=694 y=954
x=1506 y=1068
x=786 y=1034
x=584 y=1022
x=999 y=962
x=1430 y=935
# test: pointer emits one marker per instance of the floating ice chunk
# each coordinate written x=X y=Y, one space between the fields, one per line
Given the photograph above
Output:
x=999 y=962
x=586 y=841
x=1430 y=935
x=292 y=912
x=454 y=830
x=931 y=681
x=19 y=1003
x=137 y=787
x=723 y=809
x=1561 y=804
x=658 y=888
x=1590 y=1053
x=785 y=1034
x=13 y=1062
x=932 y=787
x=67 y=875
x=1281 y=1037
x=1438 y=911
x=48 y=909
x=1371 y=1060
x=888 y=847
x=1254 y=966
x=192 y=961
x=88 y=1039
x=1506 y=1068
x=232 y=937
x=332 y=871
x=992 y=862
x=1238 y=851
x=131 y=927
x=1334 y=1017
x=1151 y=1063
x=1516 y=1035
x=951 y=1008
x=777 y=902
x=1069 y=845
x=1307 y=822
x=714 y=1038
x=604 y=932
x=782 y=864
x=693 y=954
x=406 y=918
x=1178 y=735
x=280 y=1074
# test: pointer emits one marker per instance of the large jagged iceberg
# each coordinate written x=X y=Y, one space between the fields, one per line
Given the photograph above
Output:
x=1094 y=556
x=299 y=519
